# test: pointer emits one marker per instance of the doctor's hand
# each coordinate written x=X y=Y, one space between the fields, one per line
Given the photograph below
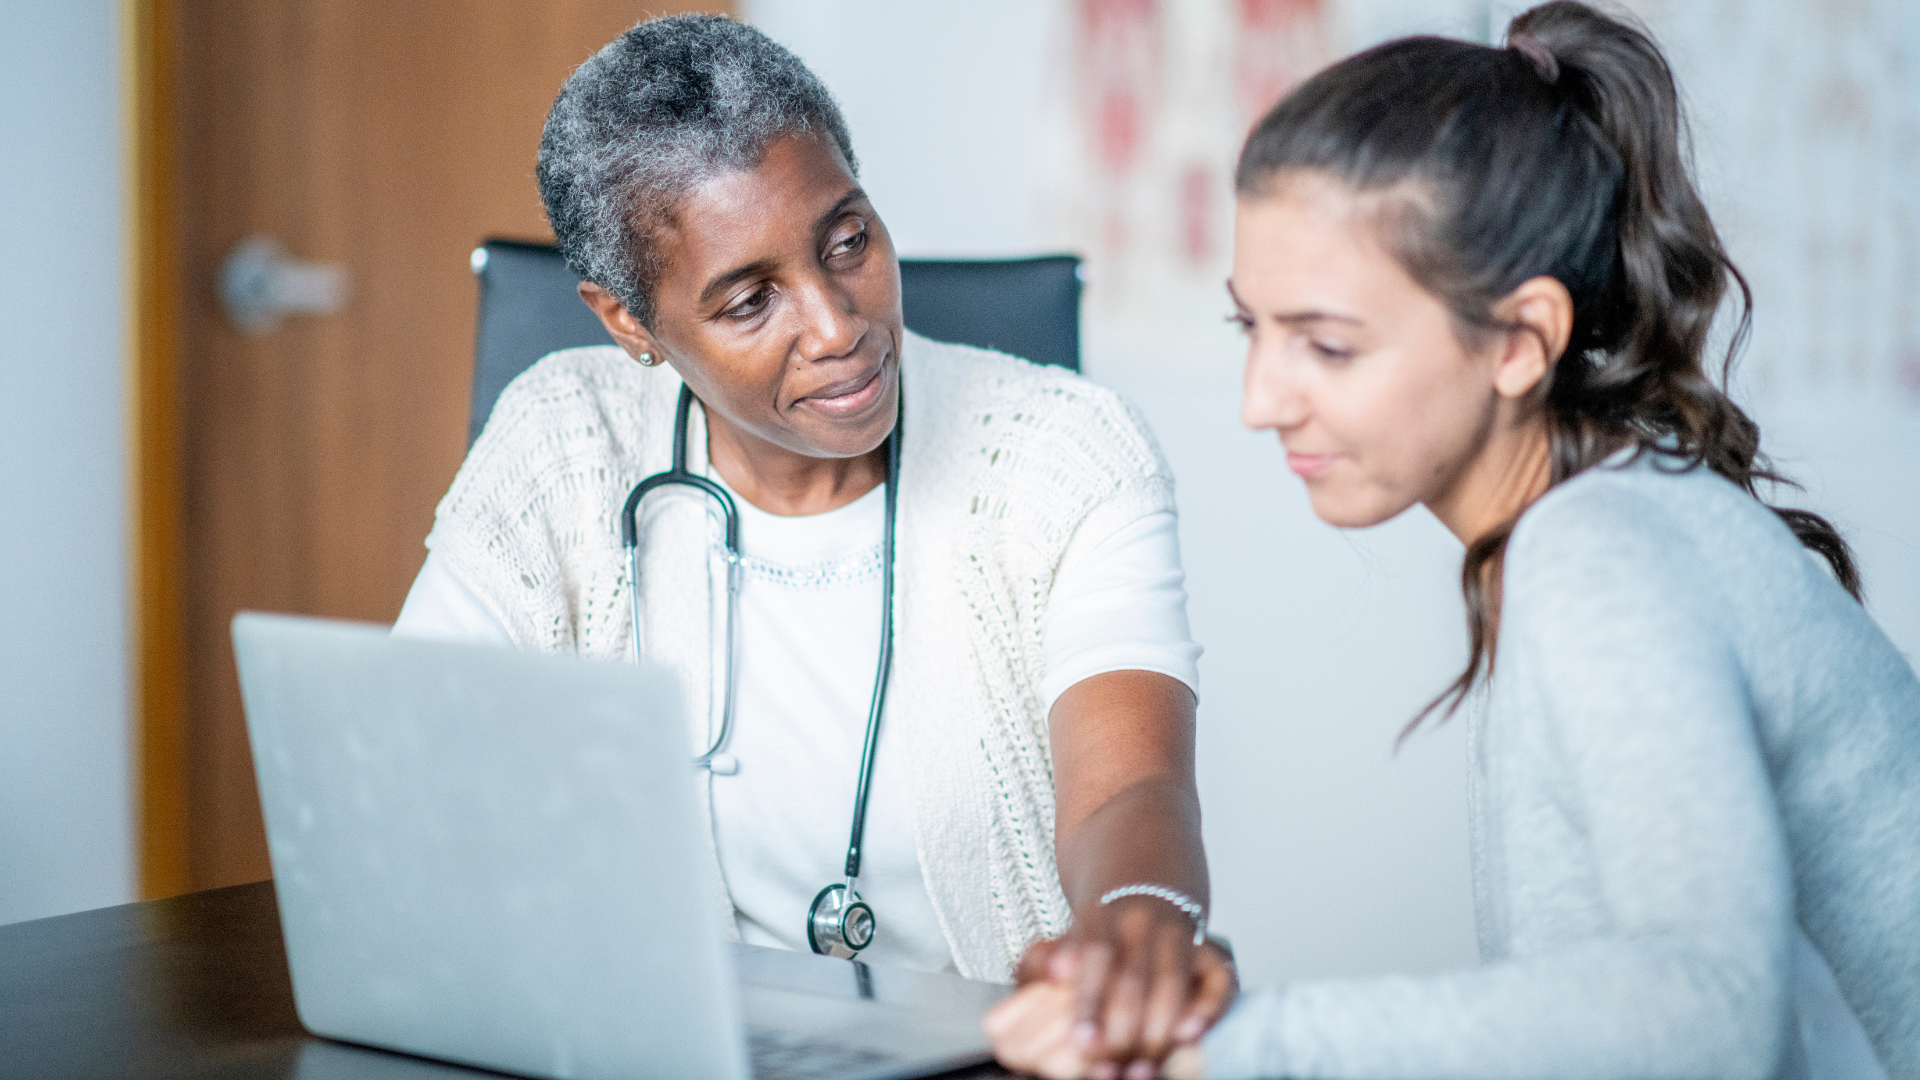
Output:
x=1032 y=1034
x=1136 y=985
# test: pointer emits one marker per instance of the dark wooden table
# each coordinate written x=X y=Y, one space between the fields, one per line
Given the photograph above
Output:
x=195 y=986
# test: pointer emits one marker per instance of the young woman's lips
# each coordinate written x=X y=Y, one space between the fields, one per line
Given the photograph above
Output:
x=850 y=397
x=1308 y=466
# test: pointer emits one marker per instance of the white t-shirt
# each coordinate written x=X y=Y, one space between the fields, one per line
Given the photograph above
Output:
x=806 y=656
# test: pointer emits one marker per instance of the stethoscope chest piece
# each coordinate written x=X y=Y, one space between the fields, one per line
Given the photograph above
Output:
x=839 y=923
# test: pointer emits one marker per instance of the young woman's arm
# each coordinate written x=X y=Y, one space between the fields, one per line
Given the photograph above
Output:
x=1636 y=879
x=1637 y=873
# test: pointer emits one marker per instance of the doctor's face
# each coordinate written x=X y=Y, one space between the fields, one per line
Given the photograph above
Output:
x=1351 y=362
x=779 y=302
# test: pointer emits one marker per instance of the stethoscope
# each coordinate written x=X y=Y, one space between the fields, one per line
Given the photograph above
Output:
x=839 y=923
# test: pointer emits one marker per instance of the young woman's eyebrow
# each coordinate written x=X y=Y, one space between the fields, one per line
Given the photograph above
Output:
x=1312 y=315
x=1298 y=317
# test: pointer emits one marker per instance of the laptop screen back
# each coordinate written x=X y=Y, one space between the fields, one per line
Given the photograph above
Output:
x=487 y=856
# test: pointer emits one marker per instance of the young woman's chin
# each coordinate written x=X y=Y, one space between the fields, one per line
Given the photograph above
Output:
x=1345 y=508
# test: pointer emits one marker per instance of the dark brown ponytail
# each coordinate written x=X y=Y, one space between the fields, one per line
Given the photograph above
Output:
x=1561 y=155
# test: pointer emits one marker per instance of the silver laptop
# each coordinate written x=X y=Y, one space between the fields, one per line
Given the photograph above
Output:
x=495 y=859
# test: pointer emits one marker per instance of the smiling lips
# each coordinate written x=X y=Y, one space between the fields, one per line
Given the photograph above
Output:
x=851 y=397
x=1308 y=466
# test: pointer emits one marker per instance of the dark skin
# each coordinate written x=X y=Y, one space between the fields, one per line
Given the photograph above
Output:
x=778 y=303
x=1126 y=811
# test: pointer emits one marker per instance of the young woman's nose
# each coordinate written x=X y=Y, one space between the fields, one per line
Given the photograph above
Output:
x=1272 y=399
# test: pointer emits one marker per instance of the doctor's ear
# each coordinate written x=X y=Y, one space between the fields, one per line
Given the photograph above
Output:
x=1539 y=315
x=626 y=330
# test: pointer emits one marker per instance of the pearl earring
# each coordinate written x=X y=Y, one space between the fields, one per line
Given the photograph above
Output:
x=646 y=359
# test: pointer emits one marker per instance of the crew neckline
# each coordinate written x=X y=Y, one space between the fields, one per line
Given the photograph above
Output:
x=789 y=539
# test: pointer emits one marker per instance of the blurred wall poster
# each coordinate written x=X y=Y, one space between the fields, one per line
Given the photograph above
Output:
x=1806 y=120
x=1145 y=107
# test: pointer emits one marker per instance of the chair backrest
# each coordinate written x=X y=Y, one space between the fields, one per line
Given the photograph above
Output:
x=530 y=306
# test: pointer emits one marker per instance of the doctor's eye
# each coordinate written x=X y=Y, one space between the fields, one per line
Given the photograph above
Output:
x=849 y=243
x=1243 y=321
x=750 y=304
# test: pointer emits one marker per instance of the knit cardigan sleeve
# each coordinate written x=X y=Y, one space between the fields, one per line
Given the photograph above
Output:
x=529 y=522
x=1030 y=461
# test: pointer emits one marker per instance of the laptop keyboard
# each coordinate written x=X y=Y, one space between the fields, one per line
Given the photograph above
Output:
x=780 y=1055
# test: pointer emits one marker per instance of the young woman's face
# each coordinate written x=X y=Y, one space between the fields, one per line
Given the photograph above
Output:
x=1355 y=366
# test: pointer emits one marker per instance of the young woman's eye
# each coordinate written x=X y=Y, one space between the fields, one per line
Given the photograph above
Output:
x=750 y=304
x=1329 y=351
x=1244 y=322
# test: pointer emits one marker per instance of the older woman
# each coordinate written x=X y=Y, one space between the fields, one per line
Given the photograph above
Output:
x=1033 y=773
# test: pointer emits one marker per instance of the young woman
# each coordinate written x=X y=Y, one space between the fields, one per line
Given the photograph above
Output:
x=1020 y=766
x=1481 y=280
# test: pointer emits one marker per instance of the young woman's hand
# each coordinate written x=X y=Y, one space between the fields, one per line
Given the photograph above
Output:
x=1032 y=1033
x=1136 y=987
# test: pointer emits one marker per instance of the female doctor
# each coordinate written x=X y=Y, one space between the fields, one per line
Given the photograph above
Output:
x=926 y=595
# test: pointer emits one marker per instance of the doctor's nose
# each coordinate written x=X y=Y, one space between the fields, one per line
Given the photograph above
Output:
x=833 y=328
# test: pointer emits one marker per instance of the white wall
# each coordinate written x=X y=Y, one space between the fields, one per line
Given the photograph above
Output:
x=1331 y=855
x=938 y=97
x=65 y=803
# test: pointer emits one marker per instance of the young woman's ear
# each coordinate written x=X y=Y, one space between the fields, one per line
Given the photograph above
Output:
x=625 y=330
x=1540 y=312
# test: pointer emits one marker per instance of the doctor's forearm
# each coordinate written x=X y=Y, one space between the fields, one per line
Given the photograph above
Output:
x=1145 y=834
x=1128 y=812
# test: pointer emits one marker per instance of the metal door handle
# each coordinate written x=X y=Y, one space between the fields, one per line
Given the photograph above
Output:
x=261 y=285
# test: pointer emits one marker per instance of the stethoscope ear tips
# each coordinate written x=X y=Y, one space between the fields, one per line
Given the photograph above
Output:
x=720 y=764
x=839 y=923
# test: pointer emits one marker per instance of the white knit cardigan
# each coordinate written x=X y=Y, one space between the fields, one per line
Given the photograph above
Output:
x=1005 y=466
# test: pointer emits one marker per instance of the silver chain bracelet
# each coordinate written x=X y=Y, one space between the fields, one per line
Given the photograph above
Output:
x=1175 y=897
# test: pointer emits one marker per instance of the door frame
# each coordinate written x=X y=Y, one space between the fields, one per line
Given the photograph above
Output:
x=155 y=455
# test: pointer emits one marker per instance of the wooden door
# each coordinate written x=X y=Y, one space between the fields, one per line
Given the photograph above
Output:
x=386 y=138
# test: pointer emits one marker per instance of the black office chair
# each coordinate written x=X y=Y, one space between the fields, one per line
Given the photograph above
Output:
x=529 y=306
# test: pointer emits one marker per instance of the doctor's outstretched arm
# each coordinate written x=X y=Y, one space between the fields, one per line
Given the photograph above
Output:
x=1128 y=814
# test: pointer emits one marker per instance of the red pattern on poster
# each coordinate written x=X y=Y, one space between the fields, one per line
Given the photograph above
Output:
x=1119 y=58
x=1199 y=187
x=1276 y=46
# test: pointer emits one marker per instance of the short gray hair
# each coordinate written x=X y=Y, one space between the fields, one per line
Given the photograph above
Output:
x=668 y=105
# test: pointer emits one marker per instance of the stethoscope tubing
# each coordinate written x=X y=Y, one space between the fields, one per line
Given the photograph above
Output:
x=679 y=474
x=880 y=679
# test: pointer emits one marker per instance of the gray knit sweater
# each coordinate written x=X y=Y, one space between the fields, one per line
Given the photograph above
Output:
x=1696 y=774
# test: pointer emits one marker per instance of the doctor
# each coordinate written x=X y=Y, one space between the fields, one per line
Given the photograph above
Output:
x=1029 y=743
